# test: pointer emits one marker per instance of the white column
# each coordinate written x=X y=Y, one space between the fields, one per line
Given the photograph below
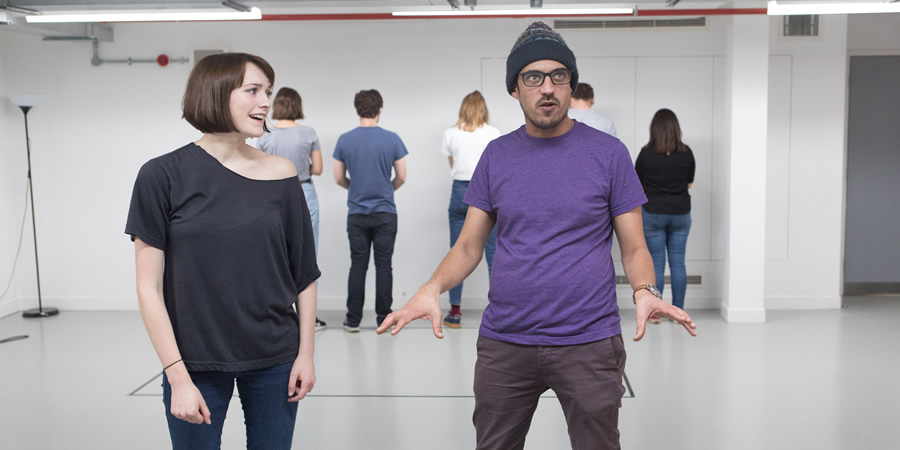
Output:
x=747 y=92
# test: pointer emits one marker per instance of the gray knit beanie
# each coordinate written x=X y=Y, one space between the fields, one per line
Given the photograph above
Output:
x=536 y=43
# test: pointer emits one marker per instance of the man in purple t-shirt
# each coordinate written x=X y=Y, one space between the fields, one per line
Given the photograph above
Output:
x=557 y=190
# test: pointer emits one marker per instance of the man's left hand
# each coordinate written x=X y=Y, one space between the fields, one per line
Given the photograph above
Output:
x=648 y=305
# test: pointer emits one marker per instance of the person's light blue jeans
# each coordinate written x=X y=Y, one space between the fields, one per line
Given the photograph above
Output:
x=312 y=202
x=668 y=233
x=457 y=212
x=268 y=415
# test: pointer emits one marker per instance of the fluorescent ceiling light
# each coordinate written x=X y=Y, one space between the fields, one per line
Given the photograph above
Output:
x=832 y=8
x=516 y=12
x=148 y=16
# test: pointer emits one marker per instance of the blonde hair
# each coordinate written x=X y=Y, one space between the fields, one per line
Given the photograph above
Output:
x=473 y=112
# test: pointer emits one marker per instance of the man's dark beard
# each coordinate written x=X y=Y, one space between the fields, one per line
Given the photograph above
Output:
x=548 y=126
x=543 y=124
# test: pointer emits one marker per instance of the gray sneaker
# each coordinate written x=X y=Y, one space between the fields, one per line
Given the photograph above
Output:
x=320 y=325
x=351 y=328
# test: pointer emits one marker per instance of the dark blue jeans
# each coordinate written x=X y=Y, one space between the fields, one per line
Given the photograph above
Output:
x=457 y=212
x=370 y=232
x=668 y=233
x=267 y=414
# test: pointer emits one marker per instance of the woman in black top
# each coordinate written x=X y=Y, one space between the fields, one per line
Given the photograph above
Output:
x=224 y=250
x=666 y=167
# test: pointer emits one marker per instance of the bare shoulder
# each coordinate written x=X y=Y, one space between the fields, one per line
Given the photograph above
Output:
x=275 y=167
x=280 y=167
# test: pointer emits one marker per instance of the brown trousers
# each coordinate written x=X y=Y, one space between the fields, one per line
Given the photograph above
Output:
x=587 y=380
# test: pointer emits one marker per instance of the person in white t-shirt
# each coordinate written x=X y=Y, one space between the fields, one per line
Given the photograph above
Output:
x=580 y=110
x=463 y=145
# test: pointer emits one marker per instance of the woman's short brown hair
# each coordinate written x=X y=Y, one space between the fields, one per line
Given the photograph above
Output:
x=287 y=105
x=207 y=95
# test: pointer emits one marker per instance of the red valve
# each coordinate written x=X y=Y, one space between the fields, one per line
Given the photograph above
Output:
x=162 y=60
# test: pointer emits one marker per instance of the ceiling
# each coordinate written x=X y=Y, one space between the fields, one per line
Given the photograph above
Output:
x=12 y=14
x=344 y=6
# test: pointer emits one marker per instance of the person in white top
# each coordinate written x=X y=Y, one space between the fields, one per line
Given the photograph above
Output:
x=463 y=145
x=580 y=110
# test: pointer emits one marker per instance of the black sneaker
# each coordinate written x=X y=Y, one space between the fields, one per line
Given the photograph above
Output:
x=351 y=328
x=320 y=325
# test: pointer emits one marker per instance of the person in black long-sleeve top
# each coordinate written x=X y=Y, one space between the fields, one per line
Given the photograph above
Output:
x=666 y=169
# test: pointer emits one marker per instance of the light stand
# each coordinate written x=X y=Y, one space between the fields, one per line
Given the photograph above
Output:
x=26 y=102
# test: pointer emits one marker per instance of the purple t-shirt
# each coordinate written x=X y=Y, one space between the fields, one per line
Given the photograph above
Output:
x=553 y=279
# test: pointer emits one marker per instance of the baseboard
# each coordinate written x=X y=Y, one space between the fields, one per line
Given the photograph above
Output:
x=337 y=303
x=473 y=303
x=692 y=302
x=107 y=304
x=804 y=302
x=340 y=303
x=130 y=304
x=479 y=303
x=871 y=288
x=82 y=304
x=743 y=315
x=9 y=307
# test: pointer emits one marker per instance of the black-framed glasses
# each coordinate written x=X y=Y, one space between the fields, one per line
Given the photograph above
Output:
x=535 y=78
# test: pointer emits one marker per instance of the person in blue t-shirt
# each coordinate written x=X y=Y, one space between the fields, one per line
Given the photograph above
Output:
x=368 y=153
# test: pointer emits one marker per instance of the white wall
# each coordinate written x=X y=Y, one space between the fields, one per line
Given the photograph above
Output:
x=99 y=124
x=11 y=145
x=806 y=170
x=747 y=89
x=873 y=34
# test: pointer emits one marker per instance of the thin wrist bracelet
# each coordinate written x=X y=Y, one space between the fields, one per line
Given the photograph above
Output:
x=170 y=365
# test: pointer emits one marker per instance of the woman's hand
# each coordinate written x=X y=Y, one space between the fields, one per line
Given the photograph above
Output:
x=188 y=404
x=303 y=378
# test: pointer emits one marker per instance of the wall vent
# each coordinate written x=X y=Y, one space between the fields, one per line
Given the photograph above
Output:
x=626 y=23
x=692 y=280
x=200 y=54
x=801 y=26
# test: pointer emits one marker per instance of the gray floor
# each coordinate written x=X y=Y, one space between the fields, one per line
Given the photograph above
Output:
x=804 y=380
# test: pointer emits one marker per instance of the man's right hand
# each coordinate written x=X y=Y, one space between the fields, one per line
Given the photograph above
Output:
x=424 y=305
